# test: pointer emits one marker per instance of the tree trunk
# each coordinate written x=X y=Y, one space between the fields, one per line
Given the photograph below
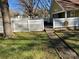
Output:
x=6 y=19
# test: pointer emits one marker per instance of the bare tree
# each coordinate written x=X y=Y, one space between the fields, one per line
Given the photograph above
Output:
x=6 y=18
x=28 y=6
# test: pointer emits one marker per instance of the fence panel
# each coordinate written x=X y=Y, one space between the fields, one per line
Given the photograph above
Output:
x=24 y=25
x=1 y=26
x=36 y=25
x=20 y=26
x=59 y=22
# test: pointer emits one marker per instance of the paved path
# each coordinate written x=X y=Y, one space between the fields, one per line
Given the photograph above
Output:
x=63 y=50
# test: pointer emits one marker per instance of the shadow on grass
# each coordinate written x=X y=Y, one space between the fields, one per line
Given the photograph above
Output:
x=15 y=47
x=72 y=39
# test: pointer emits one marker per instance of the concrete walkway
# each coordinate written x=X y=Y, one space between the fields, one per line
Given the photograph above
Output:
x=63 y=50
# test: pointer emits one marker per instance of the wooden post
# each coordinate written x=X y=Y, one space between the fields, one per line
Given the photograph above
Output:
x=66 y=15
x=66 y=22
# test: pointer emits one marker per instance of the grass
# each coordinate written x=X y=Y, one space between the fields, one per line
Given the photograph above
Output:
x=33 y=45
x=72 y=38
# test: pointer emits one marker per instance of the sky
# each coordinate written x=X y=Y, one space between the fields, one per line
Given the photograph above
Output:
x=14 y=5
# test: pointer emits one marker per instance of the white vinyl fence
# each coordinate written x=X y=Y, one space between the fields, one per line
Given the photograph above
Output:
x=25 y=25
x=59 y=22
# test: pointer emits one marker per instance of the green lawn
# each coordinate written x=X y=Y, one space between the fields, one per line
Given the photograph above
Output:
x=72 y=38
x=32 y=45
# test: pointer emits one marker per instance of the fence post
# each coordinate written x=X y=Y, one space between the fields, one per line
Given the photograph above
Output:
x=43 y=23
x=28 y=23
